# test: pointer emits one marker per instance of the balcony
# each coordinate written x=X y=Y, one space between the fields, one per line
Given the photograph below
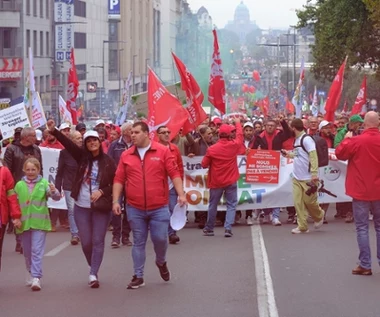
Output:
x=10 y=52
x=9 y=14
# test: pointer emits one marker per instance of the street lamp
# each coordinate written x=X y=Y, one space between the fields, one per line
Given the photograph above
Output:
x=133 y=71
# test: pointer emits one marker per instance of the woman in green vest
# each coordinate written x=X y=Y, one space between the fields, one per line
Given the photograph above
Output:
x=33 y=192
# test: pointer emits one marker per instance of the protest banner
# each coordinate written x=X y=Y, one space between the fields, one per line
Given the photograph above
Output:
x=50 y=167
x=12 y=118
x=5 y=103
x=38 y=114
x=263 y=166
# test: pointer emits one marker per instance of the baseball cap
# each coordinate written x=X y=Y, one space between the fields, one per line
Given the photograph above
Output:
x=248 y=124
x=80 y=126
x=226 y=129
x=100 y=121
x=117 y=129
x=323 y=124
x=217 y=120
x=39 y=135
x=356 y=118
x=64 y=126
x=91 y=133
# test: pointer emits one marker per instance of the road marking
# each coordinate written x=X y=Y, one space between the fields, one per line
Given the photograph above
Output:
x=266 y=301
x=58 y=249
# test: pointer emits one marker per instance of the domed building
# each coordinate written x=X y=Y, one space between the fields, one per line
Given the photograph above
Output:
x=242 y=24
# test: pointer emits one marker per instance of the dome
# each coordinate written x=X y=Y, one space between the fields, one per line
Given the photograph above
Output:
x=202 y=10
x=242 y=13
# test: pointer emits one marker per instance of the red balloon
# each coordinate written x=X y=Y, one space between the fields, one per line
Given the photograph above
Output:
x=256 y=75
x=252 y=89
x=245 y=88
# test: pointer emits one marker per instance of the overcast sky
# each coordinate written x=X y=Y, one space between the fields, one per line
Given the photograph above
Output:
x=266 y=13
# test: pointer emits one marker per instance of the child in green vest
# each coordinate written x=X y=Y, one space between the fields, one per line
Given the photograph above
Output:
x=33 y=192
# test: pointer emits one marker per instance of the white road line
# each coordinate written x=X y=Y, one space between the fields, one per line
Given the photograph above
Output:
x=58 y=249
x=265 y=294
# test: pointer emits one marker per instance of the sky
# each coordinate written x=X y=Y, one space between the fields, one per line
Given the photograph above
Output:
x=266 y=13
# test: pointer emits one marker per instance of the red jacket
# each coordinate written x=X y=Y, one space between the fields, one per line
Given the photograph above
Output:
x=178 y=158
x=8 y=198
x=56 y=145
x=221 y=160
x=146 y=181
x=288 y=144
x=363 y=170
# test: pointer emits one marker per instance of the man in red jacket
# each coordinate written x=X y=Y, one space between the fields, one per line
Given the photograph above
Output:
x=143 y=170
x=362 y=184
x=223 y=173
x=163 y=134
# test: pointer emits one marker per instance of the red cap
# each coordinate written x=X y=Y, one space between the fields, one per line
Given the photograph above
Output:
x=117 y=129
x=226 y=129
x=217 y=121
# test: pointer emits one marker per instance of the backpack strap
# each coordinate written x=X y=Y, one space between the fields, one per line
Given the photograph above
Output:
x=304 y=136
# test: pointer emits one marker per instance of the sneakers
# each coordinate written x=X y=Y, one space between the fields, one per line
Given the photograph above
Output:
x=276 y=222
x=237 y=219
x=164 y=271
x=29 y=280
x=266 y=219
x=361 y=271
x=290 y=219
x=228 y=233
x=319 y=224
x=255 y=214
x=18 y=248
x=136 y=282
x=74 y=241
x=115 y=244
x=349 y=218
x=249 y=221
x=36 y=284
x=126 y=241
x=173 y=239
x=93 y=281
x=208 y=233
x=297 y=230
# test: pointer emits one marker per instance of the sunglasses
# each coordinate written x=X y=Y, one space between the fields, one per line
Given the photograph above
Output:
x=164 y=132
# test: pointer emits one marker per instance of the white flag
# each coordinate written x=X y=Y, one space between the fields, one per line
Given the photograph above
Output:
x=64 y=113
x=123 y=110
x=32 y=84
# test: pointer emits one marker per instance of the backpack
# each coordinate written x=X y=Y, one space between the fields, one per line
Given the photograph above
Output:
x=321 y=147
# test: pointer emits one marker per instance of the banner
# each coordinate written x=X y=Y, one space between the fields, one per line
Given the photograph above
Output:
x=263 y=166
x=12 y=118
x=38 y=114
x=259 y=196
x=50 y=167
x=64 y=113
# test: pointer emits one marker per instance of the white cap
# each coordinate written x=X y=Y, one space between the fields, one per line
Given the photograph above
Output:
x=248 y=124
x=100 y=121
x=109 y=122
x=178 y=218
x=64 y=126
x=323 y=124
x=39 y=135
x=90 y=133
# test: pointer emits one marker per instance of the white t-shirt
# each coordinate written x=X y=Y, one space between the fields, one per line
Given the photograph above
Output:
x=142 y=151
x=84 y=197
x=246 y=143
x=301 y=158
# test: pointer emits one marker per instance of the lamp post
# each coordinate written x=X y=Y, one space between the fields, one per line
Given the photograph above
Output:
x=133 y=71
x=100 y=102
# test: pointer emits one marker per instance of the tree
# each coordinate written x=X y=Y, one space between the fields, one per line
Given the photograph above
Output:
x=342 y=28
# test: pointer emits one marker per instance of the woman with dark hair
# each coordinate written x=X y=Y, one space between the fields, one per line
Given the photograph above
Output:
x=91 y=190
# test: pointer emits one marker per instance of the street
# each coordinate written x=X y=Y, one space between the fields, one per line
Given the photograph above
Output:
x=308 y=275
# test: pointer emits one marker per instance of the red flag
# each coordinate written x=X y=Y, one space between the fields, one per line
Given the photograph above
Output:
x=361 y=99
x=345 y=106
x=80 y=111
x=266 y=106
x=164 y=109
x=196 y=114
x=72 y=88
x=335 y=93
x=290 y=107
x=216 y=89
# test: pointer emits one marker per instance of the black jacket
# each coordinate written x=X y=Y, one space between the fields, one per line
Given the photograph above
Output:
x=281 y=137
x=67 y=168
x=16 y=155
x=106 y=174
x=117 y=148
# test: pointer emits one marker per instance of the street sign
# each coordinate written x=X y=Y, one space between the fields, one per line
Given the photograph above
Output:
x=64 y=31
x=114 y=10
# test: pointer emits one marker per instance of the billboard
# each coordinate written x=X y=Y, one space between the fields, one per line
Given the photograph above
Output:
x=114 y=10
x=64 y=31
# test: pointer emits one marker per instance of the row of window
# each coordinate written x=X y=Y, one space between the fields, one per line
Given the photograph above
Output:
x=42 y=6
x=36 y=43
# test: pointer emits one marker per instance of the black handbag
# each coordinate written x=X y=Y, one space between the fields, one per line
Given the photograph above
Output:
x=103 y=204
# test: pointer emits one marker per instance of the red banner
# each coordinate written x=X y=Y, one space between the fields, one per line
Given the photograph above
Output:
x=263 y=166
x=72 y=88
x=11 y=69
x=361 y=99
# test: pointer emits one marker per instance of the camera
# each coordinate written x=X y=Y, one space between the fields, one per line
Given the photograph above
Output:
x=313 y=188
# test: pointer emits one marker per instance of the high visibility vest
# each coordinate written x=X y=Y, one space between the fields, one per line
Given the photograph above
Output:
x=34 y=210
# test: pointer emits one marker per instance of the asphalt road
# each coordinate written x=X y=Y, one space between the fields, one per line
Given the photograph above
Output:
x=303 y=275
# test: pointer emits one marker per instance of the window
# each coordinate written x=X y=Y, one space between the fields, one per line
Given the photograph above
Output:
x=47 y=44
x=35 y=43
x=47 y=9
x=80 y=8
x=112 y=29
x=35 y=8
x=27 y=7
x=41 y=43
x=41 y=8
x=113 y=64
x=80 y=40
x=27 y=41
x=81 y=71
x=48 y=83
x=42 y=88
x=7 y=33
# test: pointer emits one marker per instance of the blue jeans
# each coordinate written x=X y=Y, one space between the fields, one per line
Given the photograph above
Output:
x=275 y=212
x=92 y=227
x=173 y=199
x=33 y=243
x=70 y=213
x=141 y=221
x=230 y=194
x=120 y=224
x=361 y=213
